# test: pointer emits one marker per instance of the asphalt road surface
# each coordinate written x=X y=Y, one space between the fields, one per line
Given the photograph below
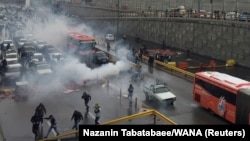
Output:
x=15 y=116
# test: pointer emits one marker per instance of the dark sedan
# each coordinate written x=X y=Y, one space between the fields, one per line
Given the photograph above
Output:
x=100 y=57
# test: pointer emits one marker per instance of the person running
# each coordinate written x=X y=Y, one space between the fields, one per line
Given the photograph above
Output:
x=86 y=97
x=77 y=116
x=52 y=126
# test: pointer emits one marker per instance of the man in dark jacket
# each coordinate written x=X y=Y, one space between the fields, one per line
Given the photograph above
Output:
x=77 y=116
x=52 y=126
x=86 y=97
x=35 y=119
x=130 y=92
x=41 y=110
x=4 y=65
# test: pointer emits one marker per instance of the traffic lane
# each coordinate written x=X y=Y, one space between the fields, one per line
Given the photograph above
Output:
x=184 y=107
x=62 y=106
x=16 y=115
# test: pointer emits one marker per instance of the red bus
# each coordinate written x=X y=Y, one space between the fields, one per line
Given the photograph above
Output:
x=81 y=45
x=223 y=95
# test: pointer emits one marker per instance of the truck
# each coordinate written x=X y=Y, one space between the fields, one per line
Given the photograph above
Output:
x=159 y=92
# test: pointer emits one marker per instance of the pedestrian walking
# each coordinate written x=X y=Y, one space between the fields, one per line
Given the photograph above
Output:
x=77 y=116
x=86 y=97
x=52 y=126
x=35 y=120
x=97 y=112
x=130 y=93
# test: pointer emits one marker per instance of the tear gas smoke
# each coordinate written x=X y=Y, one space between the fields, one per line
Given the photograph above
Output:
x=52 y=31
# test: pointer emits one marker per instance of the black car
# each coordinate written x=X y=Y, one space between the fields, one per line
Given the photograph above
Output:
x=100 y=57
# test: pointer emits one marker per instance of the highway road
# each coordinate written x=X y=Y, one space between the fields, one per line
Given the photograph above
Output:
x=15 y=116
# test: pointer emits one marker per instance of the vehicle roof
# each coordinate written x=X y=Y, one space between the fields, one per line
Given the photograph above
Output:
x=12 y=53
x=224 y=78
x=7 y=40
x=15 y=66
x=21 y=83
x=11 y=59
x=37 y=53
x=81 y=37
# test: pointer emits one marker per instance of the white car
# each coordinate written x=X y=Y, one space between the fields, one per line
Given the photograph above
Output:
x=109 y=37
x=6 y=42
x=21 y=42
x=12 y=61
x=40 y=45
x=13 y=72
x=38 y=57
x=56 y=56
x=232 y=15
x=43 y=69
x=11 y=55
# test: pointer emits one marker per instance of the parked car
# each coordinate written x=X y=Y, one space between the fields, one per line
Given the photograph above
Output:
x=232 y=15
x=243 y=16
x=109 y=37
x=100 y=57
x=199 y=14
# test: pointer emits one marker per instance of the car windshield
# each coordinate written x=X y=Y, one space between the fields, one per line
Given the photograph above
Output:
x=161 y=89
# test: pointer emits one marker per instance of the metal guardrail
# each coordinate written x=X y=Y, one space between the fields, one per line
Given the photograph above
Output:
x=172 y=68
x=139 y=115
x=70 y=133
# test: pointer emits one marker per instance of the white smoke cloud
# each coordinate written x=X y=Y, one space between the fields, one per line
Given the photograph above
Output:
x=52 y=31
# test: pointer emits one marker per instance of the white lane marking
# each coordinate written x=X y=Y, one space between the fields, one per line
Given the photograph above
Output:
x=92 y=115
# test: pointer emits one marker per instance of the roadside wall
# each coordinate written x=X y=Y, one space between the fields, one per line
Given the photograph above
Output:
x=218 y=39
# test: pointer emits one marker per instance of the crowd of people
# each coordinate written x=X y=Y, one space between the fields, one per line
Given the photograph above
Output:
x=37 y=119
